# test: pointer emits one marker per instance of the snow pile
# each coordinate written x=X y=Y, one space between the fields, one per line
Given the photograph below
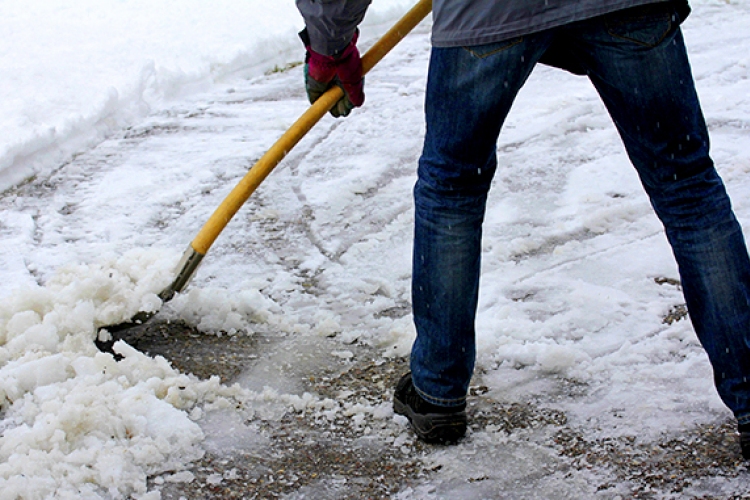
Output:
x=220 y=311
x=78 y=424
x=66 y=312
x=90 y=424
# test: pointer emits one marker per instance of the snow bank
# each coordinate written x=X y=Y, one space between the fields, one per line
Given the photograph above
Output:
x=75 y=72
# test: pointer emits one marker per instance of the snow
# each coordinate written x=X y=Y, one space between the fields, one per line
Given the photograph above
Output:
x=124 y=108
x=75 y=72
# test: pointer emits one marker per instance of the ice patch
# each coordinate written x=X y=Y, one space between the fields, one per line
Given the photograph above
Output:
x=226 y=432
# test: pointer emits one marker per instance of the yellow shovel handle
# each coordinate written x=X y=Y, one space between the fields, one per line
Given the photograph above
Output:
x=257 y=174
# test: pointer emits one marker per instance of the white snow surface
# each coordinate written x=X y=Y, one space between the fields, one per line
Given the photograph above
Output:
x=128 y=111
x=74 y=72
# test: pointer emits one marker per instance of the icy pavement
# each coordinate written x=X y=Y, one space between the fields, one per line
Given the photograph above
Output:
x=582 y=389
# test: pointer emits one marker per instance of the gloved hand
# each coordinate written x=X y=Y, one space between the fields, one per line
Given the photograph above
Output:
x=344 y=70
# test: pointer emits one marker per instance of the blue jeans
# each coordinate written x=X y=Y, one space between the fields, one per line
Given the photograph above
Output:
x=637 y=62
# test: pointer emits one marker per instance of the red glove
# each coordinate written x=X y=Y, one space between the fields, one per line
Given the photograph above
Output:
x=344 y=70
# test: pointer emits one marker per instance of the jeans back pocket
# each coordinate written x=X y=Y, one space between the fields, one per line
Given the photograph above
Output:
x=489 y=49
x=648 y=25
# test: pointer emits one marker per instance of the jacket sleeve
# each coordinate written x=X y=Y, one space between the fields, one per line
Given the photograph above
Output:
x=330 y=24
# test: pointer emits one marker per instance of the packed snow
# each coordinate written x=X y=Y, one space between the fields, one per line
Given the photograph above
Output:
x=124 y=114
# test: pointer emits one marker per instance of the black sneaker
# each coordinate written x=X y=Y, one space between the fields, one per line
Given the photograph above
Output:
x=745 y=440
x=432 y=423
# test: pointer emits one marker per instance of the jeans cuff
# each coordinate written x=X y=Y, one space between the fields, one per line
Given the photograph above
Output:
x=743 y=422
x=448 y=403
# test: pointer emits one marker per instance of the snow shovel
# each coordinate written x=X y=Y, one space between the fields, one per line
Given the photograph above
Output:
x=198 y=248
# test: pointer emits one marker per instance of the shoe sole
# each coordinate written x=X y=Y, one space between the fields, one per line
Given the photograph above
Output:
x=434 y=427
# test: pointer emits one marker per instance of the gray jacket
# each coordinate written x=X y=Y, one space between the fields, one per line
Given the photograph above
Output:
x=331 y=23
x=475 y=22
